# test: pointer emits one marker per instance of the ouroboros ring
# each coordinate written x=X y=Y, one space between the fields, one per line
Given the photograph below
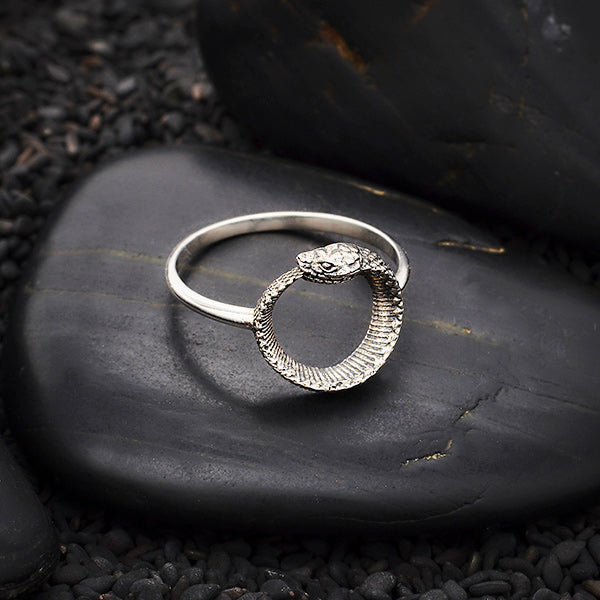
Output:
x=334 y=263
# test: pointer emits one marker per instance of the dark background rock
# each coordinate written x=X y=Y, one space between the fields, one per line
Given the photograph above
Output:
x=486 y=411
x=28 y=545
x=488 y=108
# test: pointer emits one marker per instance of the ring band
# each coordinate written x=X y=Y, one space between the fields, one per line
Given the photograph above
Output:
x=334 y=263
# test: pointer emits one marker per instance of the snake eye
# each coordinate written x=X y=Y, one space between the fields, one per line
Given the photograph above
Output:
x=327 y=266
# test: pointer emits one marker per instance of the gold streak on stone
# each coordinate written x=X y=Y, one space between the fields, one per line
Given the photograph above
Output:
x=473 y=247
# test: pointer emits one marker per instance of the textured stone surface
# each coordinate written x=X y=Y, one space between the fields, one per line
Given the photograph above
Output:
x=490 y=108
x=28 y=546
x=486 y=410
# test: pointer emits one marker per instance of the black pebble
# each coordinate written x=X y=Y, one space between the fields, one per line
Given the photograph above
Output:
x=101 y=47
x=277 y=589
x=568 y=551
x=178 y=589
x=454 y=591
x=521 y=565
x=535 y=537
x=126 y=86
x=537 y=583
x=169 y=574
x=545 y=594
x=58 y=73
x=520 y=583
x=220 y=561
x=4 y=249
x=581 y=571
x=451 y=571
x=40 y=162
x=243 y=566
x=19 y=203
x=490 y=588
x=174 y=122
x=124 y=583
x=552 y=572
x=70 y=574
x=10 y=270
x=76 y=554
x=83 y=592
x=433 y=595
x=8 y=154
x=70 y=21
x=16 y=177
x=336 y=594
x=101 y=584
x=147 y=589
x=138 y=33
x=566 y=585
x=477 y=577
x=594 y=547
x=118 y=541
x=52 y=112
x=201 y=591
x=24 y=225
x=254 y=596
x=378 y=586
x=194 y=575
x=592 y=586
x=356 y=577
x=338 y=572
x=125 y=130
x=96 y=552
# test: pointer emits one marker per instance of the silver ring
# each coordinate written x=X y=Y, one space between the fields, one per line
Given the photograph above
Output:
x=334 y=263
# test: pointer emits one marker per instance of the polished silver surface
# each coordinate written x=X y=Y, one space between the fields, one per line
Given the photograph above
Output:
x=331 y=264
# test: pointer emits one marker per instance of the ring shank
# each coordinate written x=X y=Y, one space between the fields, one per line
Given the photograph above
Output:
x=240 y=316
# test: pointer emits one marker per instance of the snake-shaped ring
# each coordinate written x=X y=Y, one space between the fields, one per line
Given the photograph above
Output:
x=335 y=263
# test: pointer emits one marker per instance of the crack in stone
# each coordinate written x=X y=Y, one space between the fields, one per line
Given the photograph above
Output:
x=427 y=457
x=469 y=502
x=468 y=411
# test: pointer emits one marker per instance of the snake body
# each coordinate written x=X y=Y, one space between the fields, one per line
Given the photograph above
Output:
x=330 y=264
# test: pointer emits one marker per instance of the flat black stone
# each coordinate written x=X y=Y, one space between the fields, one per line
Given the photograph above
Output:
x=28 y=545
x=490 y=108
x=487 y=410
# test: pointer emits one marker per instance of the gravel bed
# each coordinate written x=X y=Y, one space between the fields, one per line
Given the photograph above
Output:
x=104 y=558
x=82 y=81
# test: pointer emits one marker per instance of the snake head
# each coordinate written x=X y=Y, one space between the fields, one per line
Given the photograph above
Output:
x=330 y=264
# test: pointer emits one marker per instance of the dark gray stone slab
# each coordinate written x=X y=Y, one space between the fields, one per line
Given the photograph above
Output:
x=28 y=545
x=487 y=409
x=488 y=107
